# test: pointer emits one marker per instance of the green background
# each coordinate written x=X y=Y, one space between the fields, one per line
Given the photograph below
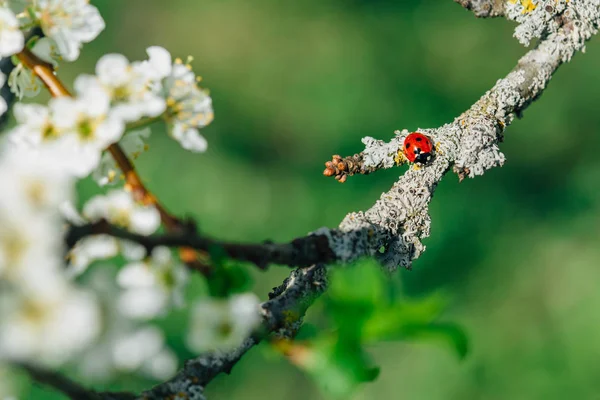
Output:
x=294 y=82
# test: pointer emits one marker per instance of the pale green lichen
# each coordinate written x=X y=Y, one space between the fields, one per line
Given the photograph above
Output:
x=540 y=18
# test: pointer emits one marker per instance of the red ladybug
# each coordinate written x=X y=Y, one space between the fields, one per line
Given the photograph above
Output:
x=418 y=148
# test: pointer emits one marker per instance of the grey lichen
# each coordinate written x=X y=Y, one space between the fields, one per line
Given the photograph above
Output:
x=379 y=154
x=484 y=8
x=540 y=18
x=189 y=383
x=284 y=311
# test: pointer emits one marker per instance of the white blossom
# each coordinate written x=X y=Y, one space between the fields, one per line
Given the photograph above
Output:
x=11 y=37
x=223 y=324
x=128 y=87
x=31 y=194
x=119 y=208
x=144 y=350
x=90 y=249
x=48 y=329
x=74 y=130
x=25 y=83
x=70 y=23
x=124 y=345
x=153 y=285
x=32 y=183
x=189 y=108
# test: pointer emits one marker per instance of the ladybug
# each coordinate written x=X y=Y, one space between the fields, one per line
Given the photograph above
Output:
x=418 y=148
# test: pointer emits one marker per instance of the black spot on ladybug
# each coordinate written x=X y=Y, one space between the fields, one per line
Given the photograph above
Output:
x=408 y=145
x=419 y=139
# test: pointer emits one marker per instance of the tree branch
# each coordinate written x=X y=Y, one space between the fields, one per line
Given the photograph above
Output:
x=301 y=252
x=399 y=219
x=68 y=387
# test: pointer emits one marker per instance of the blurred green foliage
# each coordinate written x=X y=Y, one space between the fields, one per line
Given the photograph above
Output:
x=365 y=308
x=293 y=83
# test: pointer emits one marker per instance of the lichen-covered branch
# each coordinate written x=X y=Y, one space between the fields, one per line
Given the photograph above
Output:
x=393 y=228
x=484 y=8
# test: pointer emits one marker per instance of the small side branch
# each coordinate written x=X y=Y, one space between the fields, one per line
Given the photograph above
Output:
x=301 y=252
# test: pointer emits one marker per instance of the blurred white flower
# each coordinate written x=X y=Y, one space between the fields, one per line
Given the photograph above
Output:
x=119 y=208
x=70 y=23
x=11 y=37
x=153 y=285
x=22 y=81
x=29 y=217
x=48 y=329
x=35 y=125
x=32 y=183
x=223 y=324
x=145 y=350
x=124 y=346
x=133 y=144
x=88 y=250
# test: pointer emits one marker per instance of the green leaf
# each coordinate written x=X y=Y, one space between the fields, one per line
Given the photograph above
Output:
x=447 y=333
x=339 y=368
x=355 y=293
x=389 y=322
x=361 y=284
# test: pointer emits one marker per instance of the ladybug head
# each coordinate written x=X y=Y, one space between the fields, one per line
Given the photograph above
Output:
x=422 y=157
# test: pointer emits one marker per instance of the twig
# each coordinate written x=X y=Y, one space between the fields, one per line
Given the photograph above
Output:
x=133 y=181
x=68 y=387
x=301 y=252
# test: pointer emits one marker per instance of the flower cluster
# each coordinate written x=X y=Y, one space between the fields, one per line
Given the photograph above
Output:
x=54 y=308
